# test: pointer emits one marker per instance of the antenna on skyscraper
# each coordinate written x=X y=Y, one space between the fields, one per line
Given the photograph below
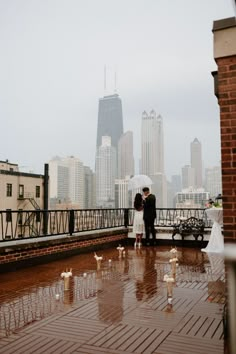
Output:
x=105 y=78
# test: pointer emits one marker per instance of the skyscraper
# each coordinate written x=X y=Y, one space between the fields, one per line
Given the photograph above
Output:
x=67 y=180
x=213 y=182
x=110 y=119
x=123 y=197
x=172 y=188
x=196 y=162
x=88 y=188
x=59 y=180
x=109 y=131
x=191 y=199
x=152 y=143
x=105 y=174
x=76 y=180
x=125 y=155
x=176 y=183
x=188 y=177
x=159 y=188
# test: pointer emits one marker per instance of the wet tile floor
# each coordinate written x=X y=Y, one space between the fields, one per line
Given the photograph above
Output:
x=121 y=308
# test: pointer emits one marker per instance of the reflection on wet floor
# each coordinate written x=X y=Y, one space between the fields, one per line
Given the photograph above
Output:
x=120 y=285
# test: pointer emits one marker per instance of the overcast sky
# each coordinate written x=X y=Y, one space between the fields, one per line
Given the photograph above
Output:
x=51 y=75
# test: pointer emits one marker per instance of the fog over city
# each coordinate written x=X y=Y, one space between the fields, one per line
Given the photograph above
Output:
x=52 y=74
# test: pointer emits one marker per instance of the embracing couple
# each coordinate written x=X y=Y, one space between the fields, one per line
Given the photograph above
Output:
x=144 y=217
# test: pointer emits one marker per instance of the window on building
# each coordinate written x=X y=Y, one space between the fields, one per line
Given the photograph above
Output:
x=8 y=215
x=21 y=191
x=9 y=190
x=37 y=192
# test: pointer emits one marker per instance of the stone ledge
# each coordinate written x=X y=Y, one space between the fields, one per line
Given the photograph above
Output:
x=46 y=241
x=224 y=23
x=224 y=38
x=30 y=253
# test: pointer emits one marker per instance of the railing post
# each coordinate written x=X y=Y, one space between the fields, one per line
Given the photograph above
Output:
x=45 y=222
x=71 y=222
x=126 y=217
x=45 y=199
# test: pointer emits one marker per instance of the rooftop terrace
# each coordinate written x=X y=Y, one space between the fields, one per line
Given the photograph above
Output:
x=121 y=308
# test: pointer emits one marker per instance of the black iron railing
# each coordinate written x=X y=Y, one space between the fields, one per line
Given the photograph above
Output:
x=19 y=224
x=172 y=216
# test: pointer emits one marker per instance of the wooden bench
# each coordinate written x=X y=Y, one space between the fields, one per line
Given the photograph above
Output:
x=190 y=226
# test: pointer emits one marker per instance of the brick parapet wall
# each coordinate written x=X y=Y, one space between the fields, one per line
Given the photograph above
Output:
x=227 y=103
x=63 y=246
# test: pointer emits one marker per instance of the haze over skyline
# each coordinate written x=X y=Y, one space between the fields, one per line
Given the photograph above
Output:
x=51 y=66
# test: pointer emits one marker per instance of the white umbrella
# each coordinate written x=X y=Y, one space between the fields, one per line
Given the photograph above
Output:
x=139 y=181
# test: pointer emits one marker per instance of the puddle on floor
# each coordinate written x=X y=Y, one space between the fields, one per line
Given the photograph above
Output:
x=31 y=294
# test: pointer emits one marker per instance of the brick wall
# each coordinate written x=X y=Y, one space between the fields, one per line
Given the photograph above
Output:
x=227 y=103
x=55 y=248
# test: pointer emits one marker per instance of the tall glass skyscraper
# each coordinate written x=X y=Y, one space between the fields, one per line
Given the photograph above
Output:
x=125 y=155
x=152 y=144
x=152 y=155
x=196 y=162
x=67 y=180
x=109 y=131
x=105 y=174
x=110 y=119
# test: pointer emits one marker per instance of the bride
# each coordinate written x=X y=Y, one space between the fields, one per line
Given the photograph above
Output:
x=138 y=225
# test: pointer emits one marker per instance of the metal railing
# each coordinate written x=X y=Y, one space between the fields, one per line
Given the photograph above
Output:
x=19 y=224
x=168 y=217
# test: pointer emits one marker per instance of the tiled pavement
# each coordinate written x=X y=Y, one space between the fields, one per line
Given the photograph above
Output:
x=123 y=309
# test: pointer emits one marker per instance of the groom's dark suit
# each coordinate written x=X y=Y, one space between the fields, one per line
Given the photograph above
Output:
x=149 y=216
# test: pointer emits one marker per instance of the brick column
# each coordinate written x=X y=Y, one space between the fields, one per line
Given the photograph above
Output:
x=225 y=57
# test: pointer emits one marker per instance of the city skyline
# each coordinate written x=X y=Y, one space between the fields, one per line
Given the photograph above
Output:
x=164 y=188
x=107 y=187
x=53 y=92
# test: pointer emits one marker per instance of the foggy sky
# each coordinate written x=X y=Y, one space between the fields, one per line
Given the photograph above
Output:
x=51 y=75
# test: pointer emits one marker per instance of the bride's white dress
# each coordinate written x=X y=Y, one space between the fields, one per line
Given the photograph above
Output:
x=216 y=241
x=138 y=224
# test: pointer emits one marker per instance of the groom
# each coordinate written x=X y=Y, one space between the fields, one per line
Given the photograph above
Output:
x=149 y=214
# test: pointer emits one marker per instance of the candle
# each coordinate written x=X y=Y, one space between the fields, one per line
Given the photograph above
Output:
x=169 y=284
x=173 y=262
x=99 y=260
x=66 y=276
x=121 y=251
